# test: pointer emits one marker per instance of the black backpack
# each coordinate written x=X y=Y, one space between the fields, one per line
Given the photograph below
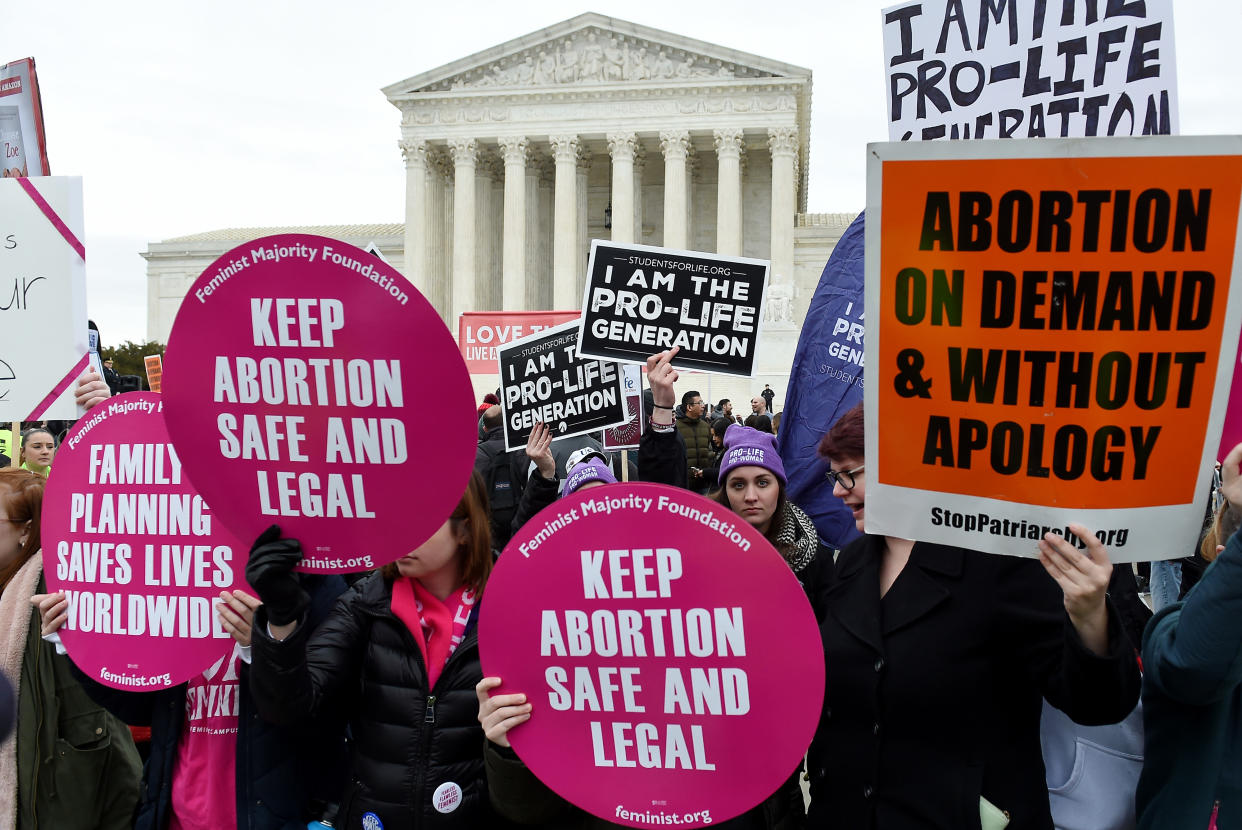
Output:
x=502 y=497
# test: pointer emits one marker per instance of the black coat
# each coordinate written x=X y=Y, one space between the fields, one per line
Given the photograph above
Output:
x=407 y=739
x=933 y=694
x=284 y=776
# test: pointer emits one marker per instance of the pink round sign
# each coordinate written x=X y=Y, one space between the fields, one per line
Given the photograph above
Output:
x=654 y=634
x=310 y=385
x=139 y=555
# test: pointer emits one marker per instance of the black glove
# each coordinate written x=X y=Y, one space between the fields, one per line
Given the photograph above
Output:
x=270 y=572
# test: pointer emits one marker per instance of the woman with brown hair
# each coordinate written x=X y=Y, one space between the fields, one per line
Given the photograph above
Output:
x=399 y=658
x=937 y=658
x=70 y=763
x=37 y=450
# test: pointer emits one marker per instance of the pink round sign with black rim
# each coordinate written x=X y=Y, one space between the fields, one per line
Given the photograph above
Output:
x=139 y=554
x=653 y=632
x=309 y=385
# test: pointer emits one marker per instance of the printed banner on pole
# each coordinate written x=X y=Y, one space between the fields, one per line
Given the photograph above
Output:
x=542 y=378
x=313 y=408
x=43 y=283
x=640 y=300
x=657 y=662
x=479 y=333
x=1052 y=328
x=154 y=365
x=985 y=69
x=138 y=553
x=21 y=122
x=627 y=435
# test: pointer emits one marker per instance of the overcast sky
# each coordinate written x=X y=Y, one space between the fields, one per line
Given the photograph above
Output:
x=187 y=117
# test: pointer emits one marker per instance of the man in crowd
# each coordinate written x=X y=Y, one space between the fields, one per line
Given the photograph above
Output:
x=759 y=406
x=767 y=394
x=697 y=434
x=504 y=490
x=724 y=409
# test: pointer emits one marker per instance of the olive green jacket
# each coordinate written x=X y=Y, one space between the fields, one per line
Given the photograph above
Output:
x=76 y=763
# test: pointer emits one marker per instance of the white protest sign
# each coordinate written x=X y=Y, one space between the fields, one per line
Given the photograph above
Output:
x=44 y=344
x=1004 y=69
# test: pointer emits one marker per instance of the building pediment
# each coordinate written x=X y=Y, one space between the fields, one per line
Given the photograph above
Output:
x=593 y=49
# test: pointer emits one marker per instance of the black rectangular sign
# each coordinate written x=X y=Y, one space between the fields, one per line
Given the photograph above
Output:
x=542 y=378
x=640 y=300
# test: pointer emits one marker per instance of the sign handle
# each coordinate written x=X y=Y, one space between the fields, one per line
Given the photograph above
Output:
x=14 y=452
x=625 y=465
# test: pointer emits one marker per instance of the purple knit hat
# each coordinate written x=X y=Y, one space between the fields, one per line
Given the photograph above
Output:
x=748 y=447
x=587 y=472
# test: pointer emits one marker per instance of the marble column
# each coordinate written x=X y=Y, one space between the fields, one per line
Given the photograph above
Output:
x=534 y=233
x=541 y=290
x=439 y=197
x=783 y=143
x=565 y=223
x=640 y=168
x=465 y=152
x=583 y=248
x=675 y=145
x=513 y=267
x=621 y=148
x=486 y=264
x=729 y=192
x=414 y=152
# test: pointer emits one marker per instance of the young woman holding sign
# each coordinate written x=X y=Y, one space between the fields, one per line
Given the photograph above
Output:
x=71 y=764
x=399 y=657
x=937 y=658
x=751 y=478
x=515 y=790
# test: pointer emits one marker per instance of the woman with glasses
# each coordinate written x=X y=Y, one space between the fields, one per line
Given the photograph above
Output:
x=937 y=659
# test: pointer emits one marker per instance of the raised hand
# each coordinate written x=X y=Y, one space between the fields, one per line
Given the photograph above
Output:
x=91 y=390
x=1083 y=576
x=538 y=450
x=661 y=376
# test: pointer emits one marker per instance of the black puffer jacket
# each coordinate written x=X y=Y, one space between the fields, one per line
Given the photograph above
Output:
x=408 y=739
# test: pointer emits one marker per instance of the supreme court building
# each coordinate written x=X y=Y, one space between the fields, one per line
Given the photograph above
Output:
x=517 y=156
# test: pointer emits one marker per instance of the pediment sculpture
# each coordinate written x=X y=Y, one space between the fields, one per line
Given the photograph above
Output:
x=593 y=56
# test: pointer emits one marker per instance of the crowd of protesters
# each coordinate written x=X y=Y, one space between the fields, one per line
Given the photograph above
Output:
x=365 y=706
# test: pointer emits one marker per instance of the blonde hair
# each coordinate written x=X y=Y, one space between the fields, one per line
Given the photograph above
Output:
x=1224 y=524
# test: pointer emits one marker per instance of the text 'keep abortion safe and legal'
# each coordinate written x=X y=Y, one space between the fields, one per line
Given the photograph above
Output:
x=308 y=323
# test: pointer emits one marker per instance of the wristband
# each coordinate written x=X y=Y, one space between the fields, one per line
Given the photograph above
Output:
x=658 y=406
x=661 y=427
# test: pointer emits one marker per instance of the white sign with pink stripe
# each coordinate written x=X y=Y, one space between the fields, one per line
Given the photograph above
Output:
x=43 y=330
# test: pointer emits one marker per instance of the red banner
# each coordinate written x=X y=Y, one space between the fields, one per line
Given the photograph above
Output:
x=480 y=332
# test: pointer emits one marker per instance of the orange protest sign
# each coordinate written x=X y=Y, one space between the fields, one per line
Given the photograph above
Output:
x=1047 y=324
x=154 y=365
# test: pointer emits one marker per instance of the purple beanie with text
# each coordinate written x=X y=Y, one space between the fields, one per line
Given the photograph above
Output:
x=748 y=447
x=587 y=472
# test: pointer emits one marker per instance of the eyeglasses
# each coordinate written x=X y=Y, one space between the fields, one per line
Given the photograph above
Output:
x=844 y=477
